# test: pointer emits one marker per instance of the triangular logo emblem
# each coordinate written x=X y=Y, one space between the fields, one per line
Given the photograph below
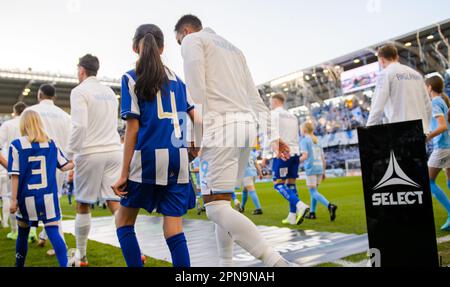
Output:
x=394 y=175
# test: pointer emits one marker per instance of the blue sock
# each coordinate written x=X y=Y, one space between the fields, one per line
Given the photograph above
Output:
x=179 y=250
x=448 y=184
x=244 y=198
x=313 y=205
x=319 y=197
x=293 y=187
x=289 y=195
x=130 y=246
x=255 y=199
x=58 y=244
x=440 y=195
x=22 y=246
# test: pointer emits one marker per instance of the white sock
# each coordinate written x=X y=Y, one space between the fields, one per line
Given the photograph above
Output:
x=243 y=231
x=13 y=219
x=61 y=231
x=5 y=211
x=43 y=235
x=82 y=228
x=292 y=217
x=225 y=247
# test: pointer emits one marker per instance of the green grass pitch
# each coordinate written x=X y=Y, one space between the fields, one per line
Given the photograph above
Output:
x=345 y=192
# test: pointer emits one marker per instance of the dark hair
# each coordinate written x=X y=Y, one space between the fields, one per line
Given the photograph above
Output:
x=19 y=107
x=437 y=85
x=150 y=70
x=90 y=63
x=189 y=19
x=388 y=52
x=279 y=97
x=48 y=90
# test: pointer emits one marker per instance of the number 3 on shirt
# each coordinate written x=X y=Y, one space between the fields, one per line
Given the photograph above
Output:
x=42 y=171
x=171 y=116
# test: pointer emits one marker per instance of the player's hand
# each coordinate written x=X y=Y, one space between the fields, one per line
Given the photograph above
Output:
x=120 y=186
x=428 y=138
x=14 y=206
x=193 y=152
x=281 y=149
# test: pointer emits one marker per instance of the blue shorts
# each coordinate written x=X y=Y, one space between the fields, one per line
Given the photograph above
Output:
x=285 y=169
x=39 y=208
x=171 y=200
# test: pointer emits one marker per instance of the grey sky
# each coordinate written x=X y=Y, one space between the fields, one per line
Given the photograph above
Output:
x=278 y=37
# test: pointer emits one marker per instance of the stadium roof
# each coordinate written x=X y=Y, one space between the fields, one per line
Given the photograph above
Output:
x=23 y=86
x=426 y=50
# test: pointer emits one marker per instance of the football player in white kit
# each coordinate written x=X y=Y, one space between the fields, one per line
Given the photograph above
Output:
x=95 y=147
x=219 y=81
x=57 y=125
x=9 y=131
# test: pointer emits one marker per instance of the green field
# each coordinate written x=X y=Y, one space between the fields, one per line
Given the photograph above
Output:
x=344 y=192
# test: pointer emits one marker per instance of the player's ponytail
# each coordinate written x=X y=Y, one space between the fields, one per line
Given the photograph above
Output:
x=150 y=70
x=308 y=129
x=437 y=85
x=31 y=126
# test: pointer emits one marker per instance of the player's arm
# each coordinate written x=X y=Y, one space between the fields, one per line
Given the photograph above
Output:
x=379 y=100
x=442 y=127
x=14 y=190
x=304 y=150
x=3 y=138
x=304 y=156
x=78 y=104
x=131 y=135
x=3 y=160
x=259 y=169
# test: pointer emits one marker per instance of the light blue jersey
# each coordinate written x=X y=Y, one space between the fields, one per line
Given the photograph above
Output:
x=314 y=163
x=36 y=164
x=250 y=170
x=440 y=109
x=160 y=156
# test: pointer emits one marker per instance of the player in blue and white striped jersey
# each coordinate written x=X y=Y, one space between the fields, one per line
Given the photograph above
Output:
x=155 y=171
x=32 y=163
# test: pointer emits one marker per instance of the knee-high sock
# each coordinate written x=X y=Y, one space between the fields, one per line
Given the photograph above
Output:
x=255 y=199
x=22 y=246
x=313 y=205
x=82 y=228
x=293 y=187
x=244 y=198
x=289 y=195
x=440 y=195
x=179 y=250
x=58 y=244
x=224 y=247
x=130 y=246
x=243 y=232
x=13 y=221
x=318 y=197
x=5 y=211
x=448 y=184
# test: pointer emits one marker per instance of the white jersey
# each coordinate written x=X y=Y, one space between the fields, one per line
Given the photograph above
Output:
x=95 y=114
x=400 y=96
x=9 y=131
x=57 y=123
x=228 y=89
x=285 y=126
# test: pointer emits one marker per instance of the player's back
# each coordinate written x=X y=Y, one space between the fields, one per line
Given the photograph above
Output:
x=101 y=105
x=56 y=121
x=288 y=128
x=408 y=95
x=35 y=164
x=9 y=131
x=227 y=74
x=161 y=149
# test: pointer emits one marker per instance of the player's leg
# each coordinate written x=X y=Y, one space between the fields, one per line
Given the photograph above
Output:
x=220 y=181
x=6 y=203
x=244 y=199
x=125 y=221
x=436 y=190
x=446 y=202
x=53 y=233
x=313 y=184
x=225 y=246
x=176 y=241
x=110 y=174
x=249 y=185
x=22 y=243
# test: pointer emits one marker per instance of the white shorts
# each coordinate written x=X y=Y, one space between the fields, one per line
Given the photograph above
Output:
x=440 y=158
x=224 y=157
x=248 y=181
x=314 y=180
x=94 y=176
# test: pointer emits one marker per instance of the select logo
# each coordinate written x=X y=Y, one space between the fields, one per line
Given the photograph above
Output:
x=395 y=176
